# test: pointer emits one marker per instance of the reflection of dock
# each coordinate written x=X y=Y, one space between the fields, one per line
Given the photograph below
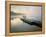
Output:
x=23 y=18
x=37 y=23
x=18 y=25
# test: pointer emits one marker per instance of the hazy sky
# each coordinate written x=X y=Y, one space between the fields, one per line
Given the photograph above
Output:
x=33 y=12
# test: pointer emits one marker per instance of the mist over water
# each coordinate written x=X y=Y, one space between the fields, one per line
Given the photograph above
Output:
x=27 y=13
x=18 y=25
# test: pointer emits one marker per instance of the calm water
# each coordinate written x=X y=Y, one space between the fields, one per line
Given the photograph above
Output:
x=18 y=25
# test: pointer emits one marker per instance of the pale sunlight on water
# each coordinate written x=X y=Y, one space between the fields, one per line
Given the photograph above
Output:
x=17 y=25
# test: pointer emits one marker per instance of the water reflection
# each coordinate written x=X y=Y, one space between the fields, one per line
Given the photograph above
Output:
x=19 y=23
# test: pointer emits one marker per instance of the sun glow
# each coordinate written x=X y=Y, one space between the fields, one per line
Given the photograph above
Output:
x=16 y=21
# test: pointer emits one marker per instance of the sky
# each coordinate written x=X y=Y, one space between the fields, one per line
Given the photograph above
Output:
x=31 y=12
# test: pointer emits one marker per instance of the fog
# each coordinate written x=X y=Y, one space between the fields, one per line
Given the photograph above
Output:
x=30 y=13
